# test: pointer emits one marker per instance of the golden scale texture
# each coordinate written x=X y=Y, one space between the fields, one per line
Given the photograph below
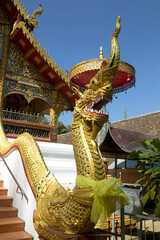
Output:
x=65 y=210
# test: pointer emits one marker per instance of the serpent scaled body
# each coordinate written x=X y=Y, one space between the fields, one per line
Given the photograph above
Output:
x=58 y=208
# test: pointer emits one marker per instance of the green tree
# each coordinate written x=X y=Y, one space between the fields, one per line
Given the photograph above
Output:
x=149 y=167
x=62 y=128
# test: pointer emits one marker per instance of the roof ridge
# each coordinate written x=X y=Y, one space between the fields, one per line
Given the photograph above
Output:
x=23 y=11
x=134 y=131
x=143 y=115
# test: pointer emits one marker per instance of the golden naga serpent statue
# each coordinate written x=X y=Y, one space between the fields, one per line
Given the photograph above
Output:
x=69 y=210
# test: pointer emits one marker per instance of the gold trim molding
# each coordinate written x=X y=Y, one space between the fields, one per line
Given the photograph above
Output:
x=95 y=64
x=43 y=53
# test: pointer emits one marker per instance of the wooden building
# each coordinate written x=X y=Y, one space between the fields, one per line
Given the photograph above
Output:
x=118 y=144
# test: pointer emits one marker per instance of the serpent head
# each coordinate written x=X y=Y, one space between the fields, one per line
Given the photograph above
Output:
x=99 y=91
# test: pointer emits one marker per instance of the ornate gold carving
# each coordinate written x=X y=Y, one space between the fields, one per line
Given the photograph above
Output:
x=69 y=93
x=51 y=75
x=62 y=100
x=85 y=66
x=14 y=32
x=4 y=36
x=7 y=30
x=28 y=91
x=22 y=42
x=33 y=20
x=20 y=69
x=29 y=52
x=41 y=51
x=21 y=9
x=59 y=85
x=55 y=111
x=68 y=211
x=43 y=68
x=1 y=40
x=33 y=40
x=95 y=64
x=37 y=60
x=52 y=117
x=125 y=67
x=101 y=53
x=27 y=80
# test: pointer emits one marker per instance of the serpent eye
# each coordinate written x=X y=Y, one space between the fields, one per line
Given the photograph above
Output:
x=92 y=81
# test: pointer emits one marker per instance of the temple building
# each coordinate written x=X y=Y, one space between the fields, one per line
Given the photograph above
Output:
x=34 y=84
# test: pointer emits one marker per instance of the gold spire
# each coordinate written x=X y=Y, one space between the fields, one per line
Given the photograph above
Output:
x=125 y=114
x=101 y=53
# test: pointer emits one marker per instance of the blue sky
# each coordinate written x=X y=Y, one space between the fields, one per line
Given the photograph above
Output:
x=73 y=31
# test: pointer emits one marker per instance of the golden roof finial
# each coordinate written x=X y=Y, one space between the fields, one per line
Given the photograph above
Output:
x=101 y=53
x=33 y=19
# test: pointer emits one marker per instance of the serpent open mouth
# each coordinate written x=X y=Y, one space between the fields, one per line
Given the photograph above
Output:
x=96 y=106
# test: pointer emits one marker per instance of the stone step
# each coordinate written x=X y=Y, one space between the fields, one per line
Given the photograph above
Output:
x=1 y=183
x=15 y=236
x=11 y=227
x=13 y=224
x=3 y=191
x=7 y=212
x=5 y=201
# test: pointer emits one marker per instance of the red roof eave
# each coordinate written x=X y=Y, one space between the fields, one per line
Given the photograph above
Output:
x=31 y=53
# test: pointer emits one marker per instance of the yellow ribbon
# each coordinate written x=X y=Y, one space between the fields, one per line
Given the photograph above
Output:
x=108 y=197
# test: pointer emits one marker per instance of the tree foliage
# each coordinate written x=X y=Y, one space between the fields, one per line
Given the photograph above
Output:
x=149 y=167
x=62 y=128
x=44 y=120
